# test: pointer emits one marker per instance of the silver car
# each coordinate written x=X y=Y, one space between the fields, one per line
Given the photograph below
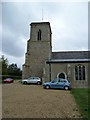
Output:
x=33 y=80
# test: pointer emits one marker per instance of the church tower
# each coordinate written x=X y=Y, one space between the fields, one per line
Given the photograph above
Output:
x=39 y=49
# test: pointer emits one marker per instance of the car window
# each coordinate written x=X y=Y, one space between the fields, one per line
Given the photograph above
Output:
x=65 y=81
x=53 y=81
x=30 y=78
x=58 y=80
x=35 y=78
x=61 y=80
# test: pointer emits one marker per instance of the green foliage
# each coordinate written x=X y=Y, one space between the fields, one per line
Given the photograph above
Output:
x=4 y=63
x=14 y=70
x=81 y=97
x=9 y=70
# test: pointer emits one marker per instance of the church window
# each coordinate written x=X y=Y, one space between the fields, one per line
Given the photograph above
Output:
x=83 y=69
x=80 y=77
x=39 y=35
x=80 y=72
x=76 y=73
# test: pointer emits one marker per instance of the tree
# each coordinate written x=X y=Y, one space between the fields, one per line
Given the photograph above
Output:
x=14 y=70
x=4 y=63
x=9 y=70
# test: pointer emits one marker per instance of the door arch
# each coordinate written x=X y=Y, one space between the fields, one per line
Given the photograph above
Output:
x=62 y=75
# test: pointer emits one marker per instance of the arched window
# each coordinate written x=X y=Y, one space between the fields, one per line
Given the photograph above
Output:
x=39 y=35
x=83 y=70
x=80 y=72
x=76 y=73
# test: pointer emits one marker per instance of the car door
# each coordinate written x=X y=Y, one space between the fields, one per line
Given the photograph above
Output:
x=53 y=84
x=34 y=80
x=61 y=83
x=28 y=80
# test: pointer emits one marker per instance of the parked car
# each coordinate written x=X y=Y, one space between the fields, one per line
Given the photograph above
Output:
x=8 y=80
x=58 y=83
x=32 y=80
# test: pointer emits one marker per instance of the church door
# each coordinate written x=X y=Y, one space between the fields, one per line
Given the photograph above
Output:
x=61 y=75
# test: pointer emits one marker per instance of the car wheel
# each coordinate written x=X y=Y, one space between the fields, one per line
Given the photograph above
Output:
x=47 y=87
x=38 y=83
x=25 y=82
x=66 y=87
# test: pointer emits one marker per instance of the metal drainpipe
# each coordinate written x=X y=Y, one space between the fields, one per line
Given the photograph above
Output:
x=50 y=71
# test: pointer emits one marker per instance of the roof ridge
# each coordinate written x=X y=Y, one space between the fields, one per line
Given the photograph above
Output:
x=68 y=51
x=71 y=55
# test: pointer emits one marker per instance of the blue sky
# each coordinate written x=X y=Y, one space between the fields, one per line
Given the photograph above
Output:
x=69 y=24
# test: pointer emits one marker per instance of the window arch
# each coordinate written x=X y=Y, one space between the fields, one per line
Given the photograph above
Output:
x=62 y=75
x=39 y=35
x=80 y=72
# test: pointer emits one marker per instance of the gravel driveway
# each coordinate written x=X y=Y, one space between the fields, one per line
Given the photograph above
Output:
x=32 y=101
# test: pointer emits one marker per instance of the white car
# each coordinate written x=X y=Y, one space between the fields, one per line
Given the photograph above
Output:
x=33 y=80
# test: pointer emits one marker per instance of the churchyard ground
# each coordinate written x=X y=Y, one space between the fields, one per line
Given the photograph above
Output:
x=82 y=99
x=32 y=101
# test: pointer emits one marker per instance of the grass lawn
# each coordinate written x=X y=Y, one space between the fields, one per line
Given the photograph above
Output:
x=81 y=97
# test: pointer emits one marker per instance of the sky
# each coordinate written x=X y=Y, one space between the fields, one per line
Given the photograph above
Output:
x=68 y=20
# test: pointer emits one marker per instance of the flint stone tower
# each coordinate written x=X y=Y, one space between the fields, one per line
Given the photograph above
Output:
x=39 y=49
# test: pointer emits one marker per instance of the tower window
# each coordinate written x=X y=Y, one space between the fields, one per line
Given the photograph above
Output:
x=39 y=35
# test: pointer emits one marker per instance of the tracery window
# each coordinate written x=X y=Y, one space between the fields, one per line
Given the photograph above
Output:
x=39 y=35
x=80 y=72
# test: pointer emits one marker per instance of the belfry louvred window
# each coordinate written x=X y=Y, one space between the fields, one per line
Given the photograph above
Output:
x=39 y=35
x=80 y=72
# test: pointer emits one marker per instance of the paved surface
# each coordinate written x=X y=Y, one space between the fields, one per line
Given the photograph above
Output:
x=32 y=101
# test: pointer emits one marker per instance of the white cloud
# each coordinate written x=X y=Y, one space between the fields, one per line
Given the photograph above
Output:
x=12 y=44
x=65 y=1
x=19 y=61
x=69 y=24
x=70 y=27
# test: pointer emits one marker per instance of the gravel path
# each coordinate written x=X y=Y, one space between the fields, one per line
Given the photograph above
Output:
x=32 y=101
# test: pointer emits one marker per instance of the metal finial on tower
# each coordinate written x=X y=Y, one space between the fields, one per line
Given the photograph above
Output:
x=42 y=14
